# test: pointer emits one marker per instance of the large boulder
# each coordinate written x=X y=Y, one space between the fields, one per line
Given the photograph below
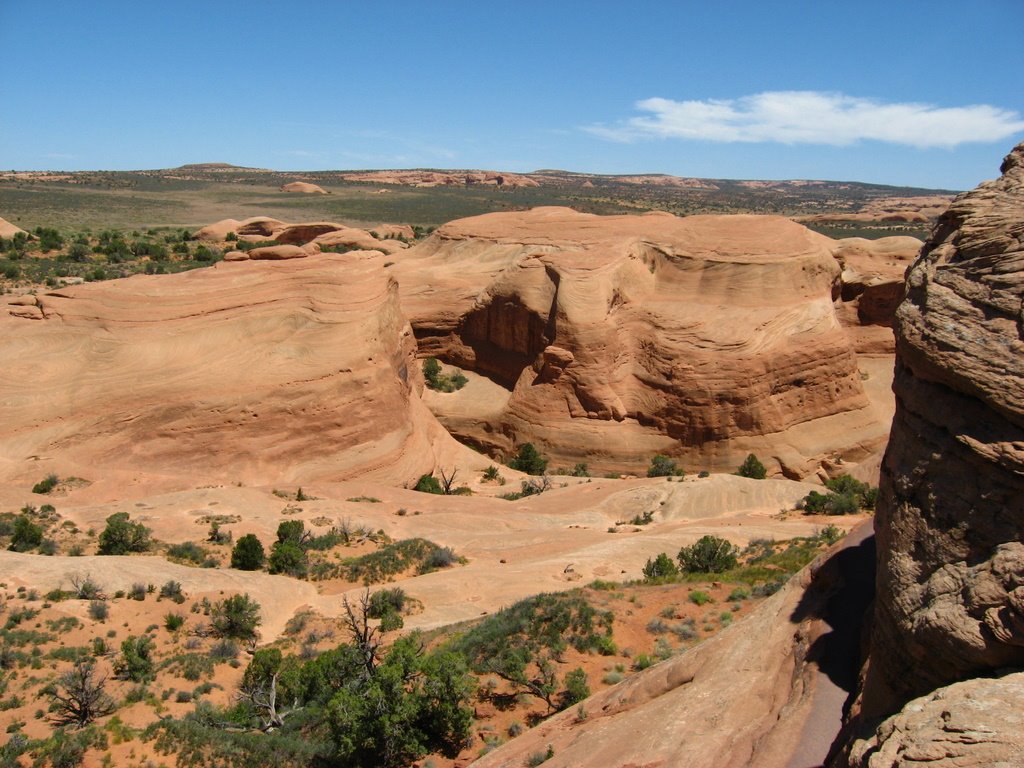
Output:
x=620 y=337
x=304 y=187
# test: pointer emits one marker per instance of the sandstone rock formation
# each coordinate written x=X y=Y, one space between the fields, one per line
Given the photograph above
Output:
x=950 y=515
x=8 y=230
x=871 y=287
x=325 y=234
x=304 y=187
x=259 y=371
x=951 y=512
x=624 y=336
x=977 y=722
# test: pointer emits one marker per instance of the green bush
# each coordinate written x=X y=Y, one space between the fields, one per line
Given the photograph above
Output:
x=46 y=485
x=173 y=621
x=26 y=536
x=576 y=688
x=846 y=496
x=529 y=460
x=752 y=468
x=135 y=662
x=428 y=484
x=663 y=466
x=436 y=380
x=385 y=601
x=709 y=554
x=248 y=553
x=288 y=558
x=699 y=597
x=660 y=567
x=236 y=617
x=188 y=552
x=122 y=536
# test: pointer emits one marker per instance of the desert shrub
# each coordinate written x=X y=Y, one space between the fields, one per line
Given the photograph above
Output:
x=137 y=591
x=529 y=460
x=224 y=650
x=172 y=590
x=135 y=662
x=642 y=661
x=709 y=554
x=99 y=610
x=491 y=473
x=739 y=593
x=436 y=380
x=428 y=484
x=385 y=601
x=846 y=496
x=237 y=617
x=661 y=567
x=576 y=688
x=440 y=557
x=391 y=560
x=46 y=485
x=699 y=597
x=173 y=621
x=26 y=534
x=663 y=466
x=289 y=558
x=752 y=468
x=248 y=553
x=122 y=536
x=187 y=552
x=85 y=588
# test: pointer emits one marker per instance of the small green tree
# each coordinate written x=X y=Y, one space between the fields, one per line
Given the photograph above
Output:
x=236 y=617
x=529 y=460
x=248 y=553
x=26 y=535
x=709 y=554
x=431 y=372
x=136 y=659
x=663 y=466
x=660 y=567
x=289 y=558
x=122 y=536
x=576 y=688
x=752 y=468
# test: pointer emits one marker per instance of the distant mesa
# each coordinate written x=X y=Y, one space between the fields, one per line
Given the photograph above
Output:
x=444 y=178
x=8 y=230
x=304 y=187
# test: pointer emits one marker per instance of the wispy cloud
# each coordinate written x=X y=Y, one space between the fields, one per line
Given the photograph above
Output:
x=813 y=117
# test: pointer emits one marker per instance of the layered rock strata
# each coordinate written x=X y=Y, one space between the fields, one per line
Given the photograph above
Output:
x=259 y=371
x=950 y=517
x=624 y=336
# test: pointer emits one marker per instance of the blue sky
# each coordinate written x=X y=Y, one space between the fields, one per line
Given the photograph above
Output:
x=919 y=92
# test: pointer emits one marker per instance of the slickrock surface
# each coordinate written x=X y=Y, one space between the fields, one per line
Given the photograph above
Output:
x=624 y=336
x=8 y=230
x=257 y=371
x=304 y=187
x=321 y=233
x=978 y=722
x=950 y=516
x=871 y=287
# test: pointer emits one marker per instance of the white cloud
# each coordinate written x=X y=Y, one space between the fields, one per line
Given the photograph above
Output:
x=814 y=117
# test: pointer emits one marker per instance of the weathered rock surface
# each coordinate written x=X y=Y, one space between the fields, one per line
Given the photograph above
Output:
x=950 y=517
x=323 y=233
x=871 y=287
x=304 y=187
x=624 y=336
x=9 y=230
x=444 y=178
x=258 y=371
x=978 y=722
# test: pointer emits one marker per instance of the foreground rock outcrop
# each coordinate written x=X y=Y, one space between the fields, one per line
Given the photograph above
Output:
x=950 y=517
x=624 y=336
x=259 y=371
x=754 y=695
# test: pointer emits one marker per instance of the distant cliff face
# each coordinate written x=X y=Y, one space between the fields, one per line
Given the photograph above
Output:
x=950 y=520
